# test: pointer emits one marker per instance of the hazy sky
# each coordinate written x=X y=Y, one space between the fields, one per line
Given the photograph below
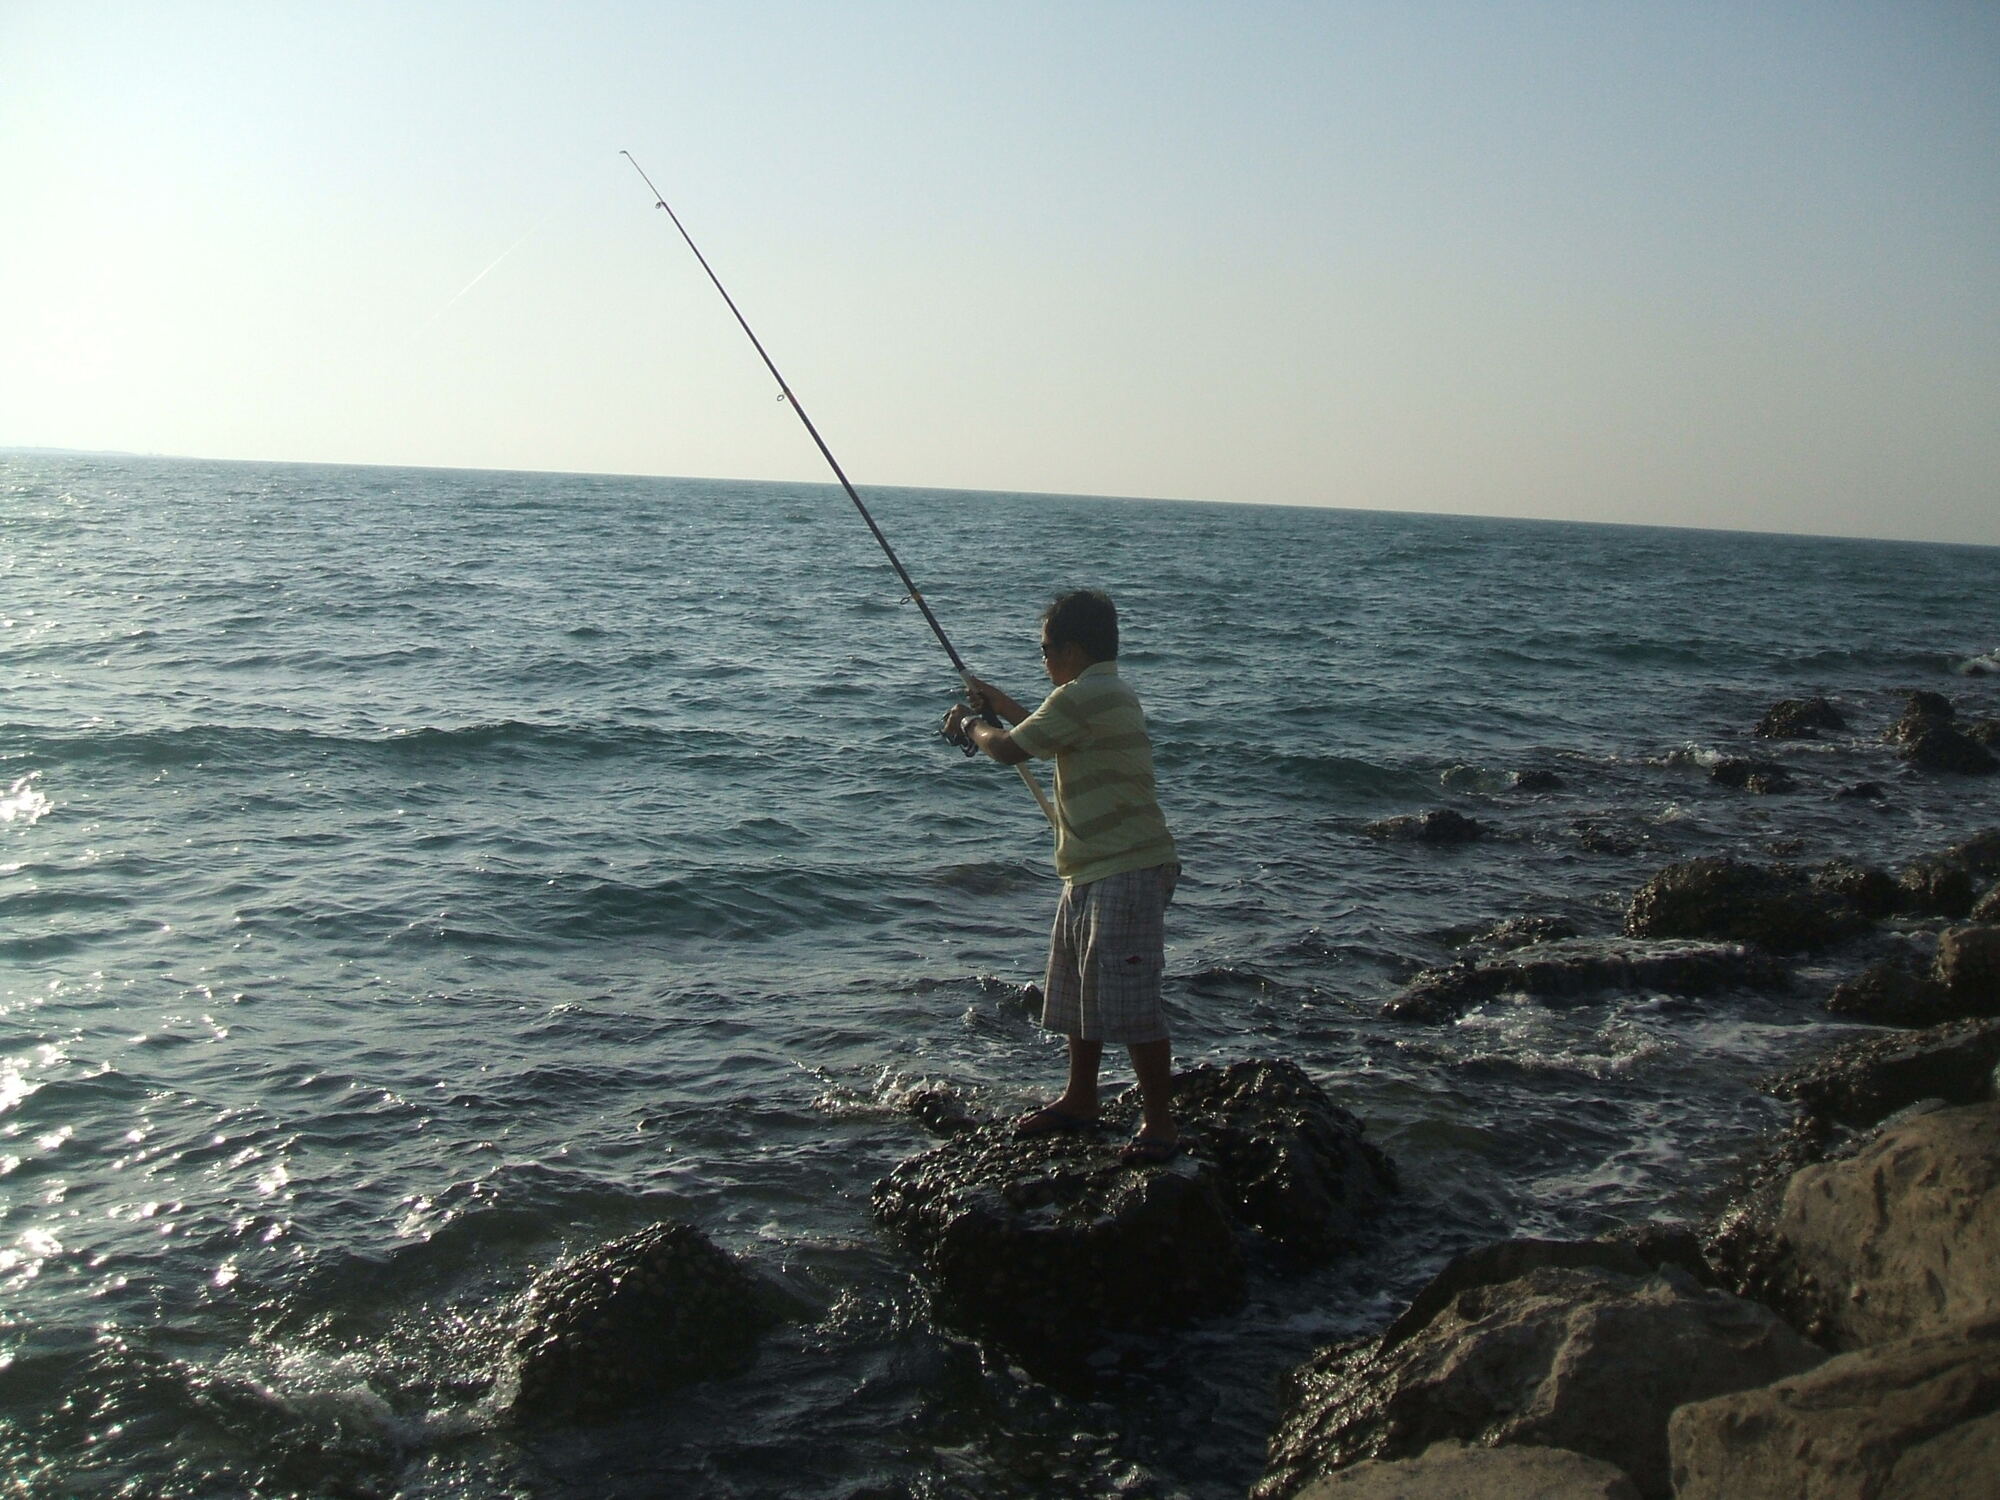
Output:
x=1686 y=263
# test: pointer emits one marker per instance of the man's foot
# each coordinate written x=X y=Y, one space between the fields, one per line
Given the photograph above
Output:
x=1051 y=1120
x=1149 y=1151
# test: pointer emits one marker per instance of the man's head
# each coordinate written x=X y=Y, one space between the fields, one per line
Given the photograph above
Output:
x=1079 y=629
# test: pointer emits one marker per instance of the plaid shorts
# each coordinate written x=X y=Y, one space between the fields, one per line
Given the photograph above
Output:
x=1106 y=955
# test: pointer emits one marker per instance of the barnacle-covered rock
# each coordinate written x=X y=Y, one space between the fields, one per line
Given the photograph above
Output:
x=634 y=1318
x=1045 y=1245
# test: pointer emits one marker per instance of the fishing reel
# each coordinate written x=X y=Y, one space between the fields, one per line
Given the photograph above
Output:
x=962 y=737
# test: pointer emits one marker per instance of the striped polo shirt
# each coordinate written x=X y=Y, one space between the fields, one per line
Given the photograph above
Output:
x=1107 y=818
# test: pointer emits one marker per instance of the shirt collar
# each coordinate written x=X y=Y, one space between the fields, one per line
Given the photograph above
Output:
x=1097 y=669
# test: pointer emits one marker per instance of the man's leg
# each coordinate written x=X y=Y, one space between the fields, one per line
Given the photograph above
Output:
x=1153 y=1063
x=1080 y=1097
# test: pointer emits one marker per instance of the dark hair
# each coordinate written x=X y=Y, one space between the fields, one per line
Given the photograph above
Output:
x=1086 y=618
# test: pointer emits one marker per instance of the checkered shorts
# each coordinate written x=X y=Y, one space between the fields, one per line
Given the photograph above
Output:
x=1106 y=955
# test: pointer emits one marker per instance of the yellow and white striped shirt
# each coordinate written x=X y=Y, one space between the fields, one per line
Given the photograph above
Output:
x=1108 y=819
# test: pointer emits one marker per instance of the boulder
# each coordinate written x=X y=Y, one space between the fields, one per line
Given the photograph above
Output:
x=1524 y=931
x=1918 y=1419
x=1760 y=776
x=1986 y=910
x=1451 y=1471
x=1927 y=736
x=1984 y=732
x=939 y=1110
x=1047 y=1245
x=1937 y=886
x=1967 y=966
x=1861 y=1083
x=1800 y=719
x=1903 y=1238
x=1890 y=993
x=1439 y=826
x=1575 y=968
x=1584 y=1359
x=631 y=1320
x=1733 y=901
x=1872 y=892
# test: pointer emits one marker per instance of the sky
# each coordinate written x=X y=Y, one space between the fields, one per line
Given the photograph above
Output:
x=1724 y=265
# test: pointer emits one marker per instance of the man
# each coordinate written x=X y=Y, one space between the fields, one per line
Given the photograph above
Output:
x=1116 y=859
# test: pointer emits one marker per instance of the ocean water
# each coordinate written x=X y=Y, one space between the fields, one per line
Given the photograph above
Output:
x=409 y=877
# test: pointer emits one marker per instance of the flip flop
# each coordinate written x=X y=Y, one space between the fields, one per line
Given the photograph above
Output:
x=1049 y=1120
x=1143 y=1152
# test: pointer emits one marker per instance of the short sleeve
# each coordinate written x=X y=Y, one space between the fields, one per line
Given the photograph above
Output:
x=1051 y=729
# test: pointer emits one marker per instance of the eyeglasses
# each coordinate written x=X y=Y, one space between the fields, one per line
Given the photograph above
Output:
x=1046 y=649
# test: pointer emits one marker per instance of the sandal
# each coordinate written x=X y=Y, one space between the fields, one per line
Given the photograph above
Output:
x=1143 y=1151
x=1049 y=1120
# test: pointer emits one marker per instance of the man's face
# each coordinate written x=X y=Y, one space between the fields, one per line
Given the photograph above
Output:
x=1065 y=663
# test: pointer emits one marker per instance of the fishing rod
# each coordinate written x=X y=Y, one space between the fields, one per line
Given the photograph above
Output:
x=786 y=394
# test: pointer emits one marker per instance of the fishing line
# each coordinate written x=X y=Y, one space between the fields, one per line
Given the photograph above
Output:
x=423 y=327
x=786 y=394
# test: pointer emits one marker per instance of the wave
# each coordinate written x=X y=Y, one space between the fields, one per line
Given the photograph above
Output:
x=264 y=747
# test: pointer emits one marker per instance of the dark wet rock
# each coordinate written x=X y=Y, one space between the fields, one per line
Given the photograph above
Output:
x=1979 y=854
x=1942 y=748
x=1892 y=993
x=1800 y=719
x=1927 y=735
x=1584 y=1359
x=1728 y=900
x=1872 y=892
x=1439 y=826
x=1046 y=1245
x=1967 y=966
x=1863 y=791
x=1987 y=908
x=1291 y=1164
x=1580 y=967
x=1762 y=776
x=1524 y=931
x=1918 y=1419
x=939 y=1110
x=1938 y=886
x=1595 y=838
x=1902 y=1238
x=1538 y=781
x=1451 y=1470
x=1861 y=1083
x=633 y=1319
x=1984 y=732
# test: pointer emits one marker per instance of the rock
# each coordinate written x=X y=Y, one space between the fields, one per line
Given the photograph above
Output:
x=1987 y=908
x=1903 y=1238
x=1584 y=1359
x=1522 y=932
x=1984 y=732
x=1439 y=826
x=1727 y=900
x=634 y=1318
x=1892 y=994
x=1045 y=1246
x=1538 y=781
x=1872 y=892
x=1937 y=886
x=1863 y=791
x=1799 y=719
x=939 y=1110
x=1968 y=967
x=1760 y=776
x=1979 y=854
x=1451 y=1471
x=1918 y=1419
x=1859 y=1084
x=1578 y=967
x=1510 y=1260
x=1927 y=736
x=1290 y=1163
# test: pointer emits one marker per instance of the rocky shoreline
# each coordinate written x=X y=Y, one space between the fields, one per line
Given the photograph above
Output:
x=1834 y=1330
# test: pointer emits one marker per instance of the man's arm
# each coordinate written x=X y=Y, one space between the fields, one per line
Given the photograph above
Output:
x=985 y=696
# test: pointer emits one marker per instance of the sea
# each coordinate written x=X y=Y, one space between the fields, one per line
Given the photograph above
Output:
x=410 y=878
